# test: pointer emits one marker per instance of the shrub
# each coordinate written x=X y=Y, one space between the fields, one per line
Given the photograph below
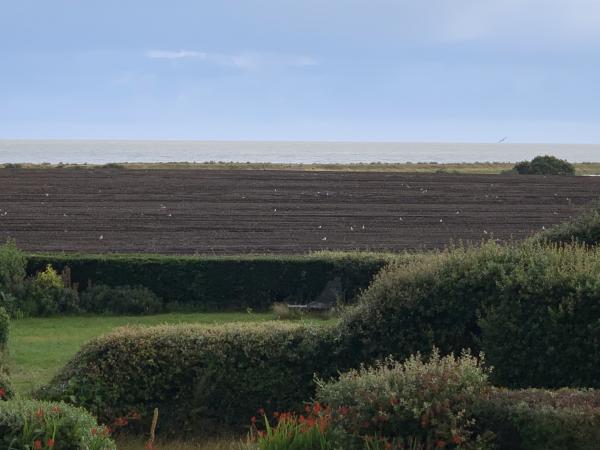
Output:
x=4 y=328
x=415 y=404
x=196 y=375
x=528 y=308
x=45 y=295
x=584 y=229
x=6 y=390
x=120 y=300
x=227 y=282
x=541 y=420
x=545 y=165
x=12 y=269
x=41 y=425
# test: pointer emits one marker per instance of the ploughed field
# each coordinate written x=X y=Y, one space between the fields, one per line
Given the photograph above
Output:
x=235 y=211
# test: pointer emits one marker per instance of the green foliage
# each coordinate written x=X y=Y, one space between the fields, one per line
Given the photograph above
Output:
x=292 y=432
x=12 y=269
x=528 y=308
x=541 y=420
x=200 y=378
x=223 y=283
x=6 y=390
x=584 y=229
x=417 y=403
x=42 y=425
x=4 y=328
x=120 y=300
x=545 y=165
x=45 y=295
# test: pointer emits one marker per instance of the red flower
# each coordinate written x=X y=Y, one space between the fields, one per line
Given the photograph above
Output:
x=253 y=420
x=2 y=393
x=456 y=440
x=39 y=413
x=440 y=444
x=120 y=422
x=261 y=411
x=37 y=444
x=50 y=443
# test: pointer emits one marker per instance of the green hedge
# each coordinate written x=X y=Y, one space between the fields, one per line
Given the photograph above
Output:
x=584 y=229
x=201 y=378
x=34 y=424
x=534 y=311
x=541 y=420
x=4 y=329
x=223 y=283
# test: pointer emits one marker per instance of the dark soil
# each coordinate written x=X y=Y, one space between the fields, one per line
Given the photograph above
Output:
x=241 y=211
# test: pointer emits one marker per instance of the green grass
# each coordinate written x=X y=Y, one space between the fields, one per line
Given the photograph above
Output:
x=39 y=347
x=478 y=167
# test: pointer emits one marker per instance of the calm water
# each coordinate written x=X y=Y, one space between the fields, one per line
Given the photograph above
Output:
x=100 y=152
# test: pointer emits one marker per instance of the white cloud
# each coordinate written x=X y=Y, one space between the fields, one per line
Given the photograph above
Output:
x=247 y=60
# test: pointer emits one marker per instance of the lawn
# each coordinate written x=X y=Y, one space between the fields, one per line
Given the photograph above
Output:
x=39 y=347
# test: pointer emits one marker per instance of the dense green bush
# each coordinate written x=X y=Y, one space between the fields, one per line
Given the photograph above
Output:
x=584 y=229
x=541 y=420
x=41 y=425
x=199 y=377
x=4 y=328
x=545 y=165
x=6 y=390
x=415 y=404
x=12 y=268
x=223 y=283
x=46 y=295
x=528 y=308
x=120 y=300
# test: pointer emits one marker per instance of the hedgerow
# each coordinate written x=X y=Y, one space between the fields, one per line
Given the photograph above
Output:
x=199 y=377
x=529 y=308
x=223 y=283
x=536 y=419
x=42 y=425
x=584 y=229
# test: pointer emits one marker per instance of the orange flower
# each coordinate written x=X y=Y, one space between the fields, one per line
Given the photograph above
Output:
x=120 y=422
x=456 y=440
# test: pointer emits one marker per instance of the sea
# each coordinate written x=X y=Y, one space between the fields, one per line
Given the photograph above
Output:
x=305 y=152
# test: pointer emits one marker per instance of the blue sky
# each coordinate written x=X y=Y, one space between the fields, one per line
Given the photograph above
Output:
x=377 y=70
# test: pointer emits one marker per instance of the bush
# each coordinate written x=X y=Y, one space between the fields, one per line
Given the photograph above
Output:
x=223 y=283
x=12 y=269
x=45 y=295
x=415 y=404
x=201 y=378
x=541 y=420
x=530 y=309
x=4 y=328
x=41 y=425
x=545 y=165
x=584 y=229
x=120 y=300
x=6 y=390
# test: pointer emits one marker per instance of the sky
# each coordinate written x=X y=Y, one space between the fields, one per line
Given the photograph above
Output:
x=335 y=70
